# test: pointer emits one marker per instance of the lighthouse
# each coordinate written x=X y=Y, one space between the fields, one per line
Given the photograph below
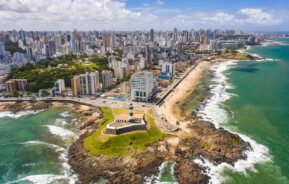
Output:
x=130 y=116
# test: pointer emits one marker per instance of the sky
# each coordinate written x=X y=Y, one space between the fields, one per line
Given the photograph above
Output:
x=130 y=15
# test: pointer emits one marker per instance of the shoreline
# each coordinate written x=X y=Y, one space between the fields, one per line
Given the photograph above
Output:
x=197 y=140
x=210 y=111
x=67 y=137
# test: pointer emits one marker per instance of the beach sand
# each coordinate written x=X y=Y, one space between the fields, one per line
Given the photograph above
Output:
x=167 y=109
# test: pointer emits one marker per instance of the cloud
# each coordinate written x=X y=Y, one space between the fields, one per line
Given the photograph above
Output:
x=159 y=2
x=251 y=17
x=115 y=15
x=259 y=17
x=101 y=14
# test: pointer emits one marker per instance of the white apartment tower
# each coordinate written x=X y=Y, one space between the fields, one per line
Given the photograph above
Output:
x=142 y=86
x=59 y=87
x=107 y=79
x=89 y=83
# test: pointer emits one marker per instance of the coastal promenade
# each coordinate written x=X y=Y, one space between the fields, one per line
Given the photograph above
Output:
x=162 y=96
x=98 y=102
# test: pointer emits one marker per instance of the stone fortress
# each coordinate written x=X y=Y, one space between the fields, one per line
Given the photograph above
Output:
x=125 y=123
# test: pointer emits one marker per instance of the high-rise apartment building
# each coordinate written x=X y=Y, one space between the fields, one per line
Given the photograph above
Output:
x=168 y=68
x=142 y=86
x=107 y=79
x=16 y=84
x=89 y=83
x=75 y=85
x=151 y=35
x=59 y=87
x=148 y=55
x=2 y=49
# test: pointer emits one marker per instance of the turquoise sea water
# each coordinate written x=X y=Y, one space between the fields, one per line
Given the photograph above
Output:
x=31 y=152
x=260 y=109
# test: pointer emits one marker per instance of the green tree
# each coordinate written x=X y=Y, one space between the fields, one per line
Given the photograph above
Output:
x=44 y=93
x=15 y=93
x=29 y=93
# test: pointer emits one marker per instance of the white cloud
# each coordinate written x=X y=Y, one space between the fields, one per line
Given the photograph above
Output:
x=251 y=17
x=259 y=17
x=98 y=14
x=114 y=14
x=159 y=2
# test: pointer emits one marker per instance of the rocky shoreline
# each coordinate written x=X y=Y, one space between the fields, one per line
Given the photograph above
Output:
x=16 y=107
x=205 y=141
x=216 y=145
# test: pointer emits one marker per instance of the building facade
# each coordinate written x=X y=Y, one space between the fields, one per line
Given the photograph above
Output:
x=16 y=84
x=59 y=87
x=75 y=85
x=142 y=86
x=107 y=79
x=89 y=83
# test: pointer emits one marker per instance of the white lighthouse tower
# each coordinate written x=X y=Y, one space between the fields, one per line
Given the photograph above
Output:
x=130 y=116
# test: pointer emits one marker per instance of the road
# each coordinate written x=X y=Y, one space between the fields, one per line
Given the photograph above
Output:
x=103 y=102
x=98 y=102
x=163 y=95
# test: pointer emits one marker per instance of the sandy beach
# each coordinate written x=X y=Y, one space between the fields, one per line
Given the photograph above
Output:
x=166 y=110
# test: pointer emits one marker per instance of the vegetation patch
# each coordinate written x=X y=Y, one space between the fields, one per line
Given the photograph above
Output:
x=122 y=145
x=235 y=56
x=42 y=75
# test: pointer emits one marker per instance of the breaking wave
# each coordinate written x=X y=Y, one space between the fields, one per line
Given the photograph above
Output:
x=17 y=115
x=213 y=111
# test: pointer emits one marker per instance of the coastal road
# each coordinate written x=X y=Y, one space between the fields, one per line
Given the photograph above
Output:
x=98 y=102
x=162 y=96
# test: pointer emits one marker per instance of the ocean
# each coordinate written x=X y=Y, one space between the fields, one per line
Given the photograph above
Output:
x=251 y=98
x=33 y=147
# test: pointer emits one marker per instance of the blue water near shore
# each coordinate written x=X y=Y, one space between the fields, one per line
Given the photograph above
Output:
x=251 y=98
x=33 y=147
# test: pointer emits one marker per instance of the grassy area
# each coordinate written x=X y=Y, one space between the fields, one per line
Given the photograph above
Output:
x=237 y=56
x=193 y=101
x=122 y=145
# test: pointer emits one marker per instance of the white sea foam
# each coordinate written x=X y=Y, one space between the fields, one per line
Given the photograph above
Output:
x=63 y=157
x=60 y=122
x=271 y=42
x=43 y=179
x=267 y=60
x=213 y=111
x=54 y=146
x=65 y=114
x=64 y=133
x=18 y=114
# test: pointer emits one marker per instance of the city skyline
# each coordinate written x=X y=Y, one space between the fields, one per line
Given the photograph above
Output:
x=129 y=15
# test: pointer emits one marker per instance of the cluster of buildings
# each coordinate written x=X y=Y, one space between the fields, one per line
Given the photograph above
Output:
x=147 y=58
x=141 y=85
x=86 y=84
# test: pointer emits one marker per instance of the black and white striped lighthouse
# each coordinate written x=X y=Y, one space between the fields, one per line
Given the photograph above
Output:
x=130 y=117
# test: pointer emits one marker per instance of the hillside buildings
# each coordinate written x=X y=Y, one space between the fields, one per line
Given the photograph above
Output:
x=142 y=86
x=16 y=84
